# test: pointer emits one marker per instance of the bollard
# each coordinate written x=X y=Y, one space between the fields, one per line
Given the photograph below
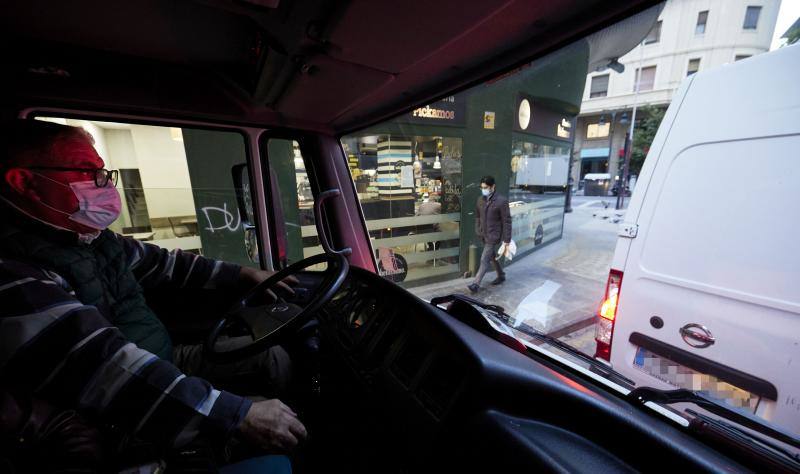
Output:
x=472 y=260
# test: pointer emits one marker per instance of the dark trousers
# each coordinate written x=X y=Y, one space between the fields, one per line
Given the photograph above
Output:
x=488 y=257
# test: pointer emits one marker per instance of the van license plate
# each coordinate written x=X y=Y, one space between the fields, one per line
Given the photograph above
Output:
x=680 y=376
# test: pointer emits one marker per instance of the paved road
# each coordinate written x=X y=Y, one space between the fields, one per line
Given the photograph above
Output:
x=557 y=288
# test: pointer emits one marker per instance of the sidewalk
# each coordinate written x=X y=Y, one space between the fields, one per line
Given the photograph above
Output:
x=557 y=288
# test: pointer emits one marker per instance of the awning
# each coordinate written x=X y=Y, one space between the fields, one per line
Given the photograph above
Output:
x=597 y=176
x=596 y=153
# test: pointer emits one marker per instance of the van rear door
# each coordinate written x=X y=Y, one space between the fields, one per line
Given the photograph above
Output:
x=716 y=257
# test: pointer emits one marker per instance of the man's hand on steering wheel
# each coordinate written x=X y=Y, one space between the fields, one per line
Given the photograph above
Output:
x=250 y=277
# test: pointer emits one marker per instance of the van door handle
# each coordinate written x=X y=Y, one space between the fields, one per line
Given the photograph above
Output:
x=696 y=335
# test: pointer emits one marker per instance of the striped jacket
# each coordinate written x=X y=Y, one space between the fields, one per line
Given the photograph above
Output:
x=56 y=348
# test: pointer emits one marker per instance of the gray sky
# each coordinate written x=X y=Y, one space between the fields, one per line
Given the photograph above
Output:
x=790 y=10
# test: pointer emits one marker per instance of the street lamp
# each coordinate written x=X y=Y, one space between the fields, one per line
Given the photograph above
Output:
x=622 y=166
x=623 y=183
x=610 y=137
x=570 y=181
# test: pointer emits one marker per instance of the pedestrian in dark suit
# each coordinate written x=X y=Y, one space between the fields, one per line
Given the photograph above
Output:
x=493 y=228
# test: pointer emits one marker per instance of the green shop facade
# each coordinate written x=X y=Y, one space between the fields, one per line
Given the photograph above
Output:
x=418 y=175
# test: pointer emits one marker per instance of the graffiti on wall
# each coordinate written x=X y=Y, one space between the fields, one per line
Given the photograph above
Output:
x=221 y=219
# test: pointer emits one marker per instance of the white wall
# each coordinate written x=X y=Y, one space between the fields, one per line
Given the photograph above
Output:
x=121 y=152
x=723 y=40
x=165 y=175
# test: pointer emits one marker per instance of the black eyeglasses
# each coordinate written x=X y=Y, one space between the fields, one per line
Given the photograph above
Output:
x=101 y=175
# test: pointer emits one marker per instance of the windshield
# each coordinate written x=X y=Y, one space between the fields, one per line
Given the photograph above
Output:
x=539 y=191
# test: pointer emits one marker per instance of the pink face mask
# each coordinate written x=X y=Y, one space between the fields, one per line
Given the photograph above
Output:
x=97 y=207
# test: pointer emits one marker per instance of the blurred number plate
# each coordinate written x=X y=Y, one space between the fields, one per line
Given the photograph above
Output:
x=680 y=376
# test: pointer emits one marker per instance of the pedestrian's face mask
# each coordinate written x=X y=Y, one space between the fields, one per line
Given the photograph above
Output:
x=486 y=191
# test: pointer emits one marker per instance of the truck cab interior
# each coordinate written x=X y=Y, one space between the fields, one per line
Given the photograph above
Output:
x=395 y=383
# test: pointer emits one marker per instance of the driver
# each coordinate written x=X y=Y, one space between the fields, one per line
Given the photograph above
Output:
x=75 y=330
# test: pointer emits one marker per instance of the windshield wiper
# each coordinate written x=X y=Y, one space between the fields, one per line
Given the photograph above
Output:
x=594 y=364
x=502 y=317
x=708 y=425
x=667 y=397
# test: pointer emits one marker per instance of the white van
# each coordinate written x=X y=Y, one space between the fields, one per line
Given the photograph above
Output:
x=704 y=288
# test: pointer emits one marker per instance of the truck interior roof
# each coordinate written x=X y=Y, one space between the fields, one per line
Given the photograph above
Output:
x=309 y=64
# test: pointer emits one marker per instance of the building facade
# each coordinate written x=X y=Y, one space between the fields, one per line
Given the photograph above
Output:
x=690 y=36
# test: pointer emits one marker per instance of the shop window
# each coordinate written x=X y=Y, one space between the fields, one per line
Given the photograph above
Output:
x=693 y=67
x=645 y=79
x=654 y=36
x=409 y=186
x=739 y=57
x=536 y=191
x=599 y=86
x=597 y=130
x=702 y=19
x=751 y=17
x=176 y=185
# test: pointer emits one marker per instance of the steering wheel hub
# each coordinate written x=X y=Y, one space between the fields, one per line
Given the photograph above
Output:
x=266 y=324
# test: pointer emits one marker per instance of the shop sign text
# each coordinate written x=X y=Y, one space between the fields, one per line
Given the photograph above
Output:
x=429 y=112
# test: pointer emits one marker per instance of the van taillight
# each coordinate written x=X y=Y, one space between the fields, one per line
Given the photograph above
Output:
x=604 y=329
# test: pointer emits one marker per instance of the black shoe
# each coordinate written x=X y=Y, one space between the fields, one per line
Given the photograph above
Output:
x=499 y=280
x=473 y=288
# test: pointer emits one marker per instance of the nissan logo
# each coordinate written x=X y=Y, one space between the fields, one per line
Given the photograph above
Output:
x=279 y=308
x=696 y=335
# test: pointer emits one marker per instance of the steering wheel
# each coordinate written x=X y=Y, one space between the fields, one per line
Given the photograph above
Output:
x=268 y=323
